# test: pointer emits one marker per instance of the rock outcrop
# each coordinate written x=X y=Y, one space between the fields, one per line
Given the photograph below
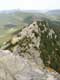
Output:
x=14 y=67
x=37 y=43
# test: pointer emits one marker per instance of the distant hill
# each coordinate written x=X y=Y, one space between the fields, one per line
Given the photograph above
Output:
x=54 y=12
x=19 y=18
x=16 y=16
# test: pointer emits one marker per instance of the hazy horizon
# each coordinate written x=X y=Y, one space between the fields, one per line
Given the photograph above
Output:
x=29 y=4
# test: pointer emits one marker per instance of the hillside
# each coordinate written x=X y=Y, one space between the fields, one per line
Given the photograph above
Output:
x=11 y=21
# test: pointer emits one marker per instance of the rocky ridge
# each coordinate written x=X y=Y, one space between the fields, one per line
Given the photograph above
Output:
x=39 y=45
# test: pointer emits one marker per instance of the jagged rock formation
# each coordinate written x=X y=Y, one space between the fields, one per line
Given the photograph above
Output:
x=14 y=67
x=37 y=43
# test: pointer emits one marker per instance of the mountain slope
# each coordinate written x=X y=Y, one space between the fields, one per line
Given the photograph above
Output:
x=37 y=43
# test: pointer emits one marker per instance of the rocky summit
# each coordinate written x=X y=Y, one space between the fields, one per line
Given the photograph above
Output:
x=38 y=46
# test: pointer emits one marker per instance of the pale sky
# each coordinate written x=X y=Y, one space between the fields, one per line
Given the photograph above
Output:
x=29 y=4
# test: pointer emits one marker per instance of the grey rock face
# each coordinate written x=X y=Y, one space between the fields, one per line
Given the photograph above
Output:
x=14 y=67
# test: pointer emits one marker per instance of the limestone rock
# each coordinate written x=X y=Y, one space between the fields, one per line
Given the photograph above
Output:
x=14 y=67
